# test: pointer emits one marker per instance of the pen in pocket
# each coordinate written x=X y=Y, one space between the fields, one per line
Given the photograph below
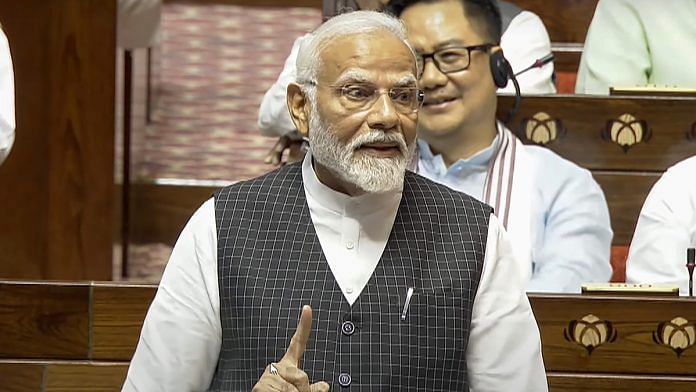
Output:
x=409 y=294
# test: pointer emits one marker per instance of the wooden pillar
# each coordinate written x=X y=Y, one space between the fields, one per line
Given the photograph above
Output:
x=56 y=187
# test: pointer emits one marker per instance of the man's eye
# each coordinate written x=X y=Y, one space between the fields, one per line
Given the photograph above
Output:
x=402 y=96
x=451 y=56
x=357 y=92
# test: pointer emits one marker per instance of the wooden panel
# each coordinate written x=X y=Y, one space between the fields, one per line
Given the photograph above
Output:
x=671 y=122
x=634 y=321
x=39 y=320
x=567 y=57
x=625 y=193
x=161 y=211
x=571 y=382
x=58 y=178
x=87 y=377
x=21 y=377
x=117 y=317
x=565 y=20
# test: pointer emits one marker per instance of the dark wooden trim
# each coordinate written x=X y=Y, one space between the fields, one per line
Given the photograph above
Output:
x=612 y=382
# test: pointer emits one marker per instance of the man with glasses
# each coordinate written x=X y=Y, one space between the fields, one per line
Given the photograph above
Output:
x=398 y=283
x=554 y=211
x=524 y=40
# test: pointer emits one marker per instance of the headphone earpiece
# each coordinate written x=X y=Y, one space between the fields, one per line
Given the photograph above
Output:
x=500 y=69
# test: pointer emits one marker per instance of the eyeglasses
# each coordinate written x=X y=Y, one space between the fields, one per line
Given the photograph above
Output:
x=362 y=96
x=452 y=59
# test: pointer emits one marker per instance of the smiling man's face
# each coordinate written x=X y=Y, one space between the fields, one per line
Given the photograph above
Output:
x=453 y=100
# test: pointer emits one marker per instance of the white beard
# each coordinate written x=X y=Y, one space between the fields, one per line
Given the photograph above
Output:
x=371 y=174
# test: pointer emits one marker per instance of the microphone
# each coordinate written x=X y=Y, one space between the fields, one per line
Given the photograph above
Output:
x=538 y=63
x=690 y=264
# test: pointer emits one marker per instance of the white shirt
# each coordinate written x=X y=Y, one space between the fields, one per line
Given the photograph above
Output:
x=181 y=337
x=569 y=211
x=7 y=99
x=523 y=42
x=666 y=228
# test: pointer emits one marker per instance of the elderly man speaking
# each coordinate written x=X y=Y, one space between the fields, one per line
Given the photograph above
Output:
x=344 y=271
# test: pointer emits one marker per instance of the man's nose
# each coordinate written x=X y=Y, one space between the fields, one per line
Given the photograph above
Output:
x=383 y=114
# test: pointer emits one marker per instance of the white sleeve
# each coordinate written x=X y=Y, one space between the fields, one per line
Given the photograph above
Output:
x=7 y=99
x=274 y=117
x=525 y=41
x=616 y=52
x=666 y=228
x=504 y=352
x=180 y=341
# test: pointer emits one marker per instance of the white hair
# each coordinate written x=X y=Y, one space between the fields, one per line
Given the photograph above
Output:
x=357 y=22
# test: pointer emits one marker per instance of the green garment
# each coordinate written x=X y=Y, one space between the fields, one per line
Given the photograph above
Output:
x=638 y=43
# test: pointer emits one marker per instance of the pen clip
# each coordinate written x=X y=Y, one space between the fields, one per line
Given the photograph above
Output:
x=409 y=294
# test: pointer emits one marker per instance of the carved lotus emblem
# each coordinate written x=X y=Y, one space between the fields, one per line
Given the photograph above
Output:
x=543 y=129
x=677 y=334
x=627 y=131
x=590 y=332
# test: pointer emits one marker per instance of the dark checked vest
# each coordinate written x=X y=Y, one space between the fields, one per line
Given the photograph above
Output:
x=270 y=263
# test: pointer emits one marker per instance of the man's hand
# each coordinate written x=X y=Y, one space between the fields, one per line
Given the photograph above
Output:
x=294 y=147
x=289 y=377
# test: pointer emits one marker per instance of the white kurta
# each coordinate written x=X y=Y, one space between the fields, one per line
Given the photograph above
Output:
x=182 y=335
x=666 y=228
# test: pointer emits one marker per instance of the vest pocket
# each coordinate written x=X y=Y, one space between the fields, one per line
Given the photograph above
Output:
x=434 y=336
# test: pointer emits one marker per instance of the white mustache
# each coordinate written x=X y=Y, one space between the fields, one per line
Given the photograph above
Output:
x=374 y=136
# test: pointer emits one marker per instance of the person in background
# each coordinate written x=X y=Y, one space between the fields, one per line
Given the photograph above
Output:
x=639 y=43
x=7 y=99
x=524 y=40
x=399 y=283
x=548 y=204
x=666 y=228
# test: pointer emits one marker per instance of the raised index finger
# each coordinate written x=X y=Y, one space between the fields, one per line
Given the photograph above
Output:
x=298 y=343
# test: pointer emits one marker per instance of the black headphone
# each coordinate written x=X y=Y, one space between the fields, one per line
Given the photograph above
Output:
x=502 y=72
x=500 y=69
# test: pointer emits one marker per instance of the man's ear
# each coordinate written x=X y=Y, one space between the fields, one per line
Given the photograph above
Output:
x=298 y=105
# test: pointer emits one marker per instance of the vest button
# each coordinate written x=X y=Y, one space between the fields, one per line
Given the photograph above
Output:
x=348 y=328
x=344 y=379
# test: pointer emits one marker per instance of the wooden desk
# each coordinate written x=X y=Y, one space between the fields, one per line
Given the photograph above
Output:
x=602 y=343
x=80 y=336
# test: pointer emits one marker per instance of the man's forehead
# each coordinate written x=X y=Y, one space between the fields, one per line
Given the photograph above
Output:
x=364 y=55
x=433 y=26
x=359 y=75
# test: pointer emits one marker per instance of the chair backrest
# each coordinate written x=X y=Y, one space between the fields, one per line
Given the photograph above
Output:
x=625 y=142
